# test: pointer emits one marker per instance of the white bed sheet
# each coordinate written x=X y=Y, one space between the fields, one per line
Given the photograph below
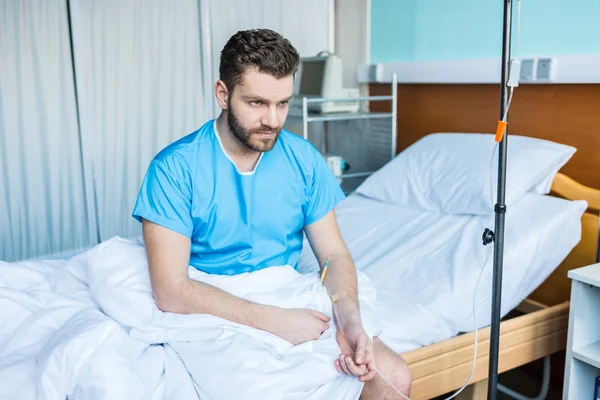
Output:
x=425 y=265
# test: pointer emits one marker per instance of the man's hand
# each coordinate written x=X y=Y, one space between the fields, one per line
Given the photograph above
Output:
x=358 y=354
x=298 y=325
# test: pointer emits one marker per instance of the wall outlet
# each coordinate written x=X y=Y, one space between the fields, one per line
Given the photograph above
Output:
x=527 y=70
x=545 y=69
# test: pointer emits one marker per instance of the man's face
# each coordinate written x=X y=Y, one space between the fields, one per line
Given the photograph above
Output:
x=258 y=108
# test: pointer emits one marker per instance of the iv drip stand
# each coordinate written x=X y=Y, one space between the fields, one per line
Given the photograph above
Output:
x=500 y=210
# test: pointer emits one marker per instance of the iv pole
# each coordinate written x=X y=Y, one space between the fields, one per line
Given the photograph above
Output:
x=500 y=210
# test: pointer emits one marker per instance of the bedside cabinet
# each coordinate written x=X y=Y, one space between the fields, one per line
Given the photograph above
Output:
x=583 y=342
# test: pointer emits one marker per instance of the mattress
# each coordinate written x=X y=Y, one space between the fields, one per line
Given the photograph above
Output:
x=425 y=266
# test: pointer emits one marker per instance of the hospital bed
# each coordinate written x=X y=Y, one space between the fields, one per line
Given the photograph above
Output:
x=425 y=267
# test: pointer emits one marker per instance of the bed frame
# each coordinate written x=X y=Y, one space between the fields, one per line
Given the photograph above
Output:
x=540 y=329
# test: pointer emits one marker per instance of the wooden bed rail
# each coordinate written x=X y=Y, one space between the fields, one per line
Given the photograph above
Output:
x=568 y=188
x=443 y=367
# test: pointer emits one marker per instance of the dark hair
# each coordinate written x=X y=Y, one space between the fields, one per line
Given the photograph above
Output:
x=263 y=49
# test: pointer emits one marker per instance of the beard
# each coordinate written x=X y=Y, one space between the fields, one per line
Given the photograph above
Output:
x=248 y=137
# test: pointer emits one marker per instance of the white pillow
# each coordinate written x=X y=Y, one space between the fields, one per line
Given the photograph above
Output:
x=454 y=173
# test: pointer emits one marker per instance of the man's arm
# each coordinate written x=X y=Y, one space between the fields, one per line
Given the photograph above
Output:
x=168 y=259
x=327 y=243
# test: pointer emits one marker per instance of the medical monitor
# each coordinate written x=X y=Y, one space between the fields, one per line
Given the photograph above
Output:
x=315 y=77
x=321 y=76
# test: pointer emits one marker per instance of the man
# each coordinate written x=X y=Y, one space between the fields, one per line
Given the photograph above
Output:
x=237 y=195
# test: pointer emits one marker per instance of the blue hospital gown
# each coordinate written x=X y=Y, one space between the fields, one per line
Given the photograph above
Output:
x=238 y=222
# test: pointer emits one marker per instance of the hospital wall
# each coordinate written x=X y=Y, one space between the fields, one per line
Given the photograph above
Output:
x=448 y=59
x=426 y=30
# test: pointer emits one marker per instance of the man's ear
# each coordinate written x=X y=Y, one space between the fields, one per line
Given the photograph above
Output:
x=222 y=94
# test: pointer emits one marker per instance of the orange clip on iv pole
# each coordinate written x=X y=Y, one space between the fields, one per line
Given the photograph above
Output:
x=500 y=130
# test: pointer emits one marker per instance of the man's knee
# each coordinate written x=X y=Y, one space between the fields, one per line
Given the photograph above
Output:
x=396 y=371
x=402 y=376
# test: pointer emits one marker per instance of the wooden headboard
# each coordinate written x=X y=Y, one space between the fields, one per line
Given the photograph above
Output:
x=568 y=114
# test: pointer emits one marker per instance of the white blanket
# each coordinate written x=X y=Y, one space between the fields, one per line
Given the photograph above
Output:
x=90 y=329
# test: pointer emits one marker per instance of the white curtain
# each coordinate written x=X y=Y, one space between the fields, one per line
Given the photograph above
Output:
x=75 y=142
x=42 y=196
x=307 y=24
x=139 y=73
